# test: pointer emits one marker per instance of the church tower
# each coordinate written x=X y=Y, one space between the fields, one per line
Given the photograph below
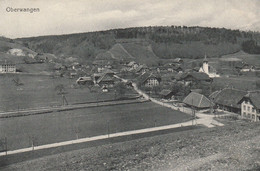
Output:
x=205 y=65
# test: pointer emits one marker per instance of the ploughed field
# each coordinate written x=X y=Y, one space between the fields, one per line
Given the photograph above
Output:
x=80 y=123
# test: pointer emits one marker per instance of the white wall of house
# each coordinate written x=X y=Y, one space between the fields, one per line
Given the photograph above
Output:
x=249 y=111
x=7 y=68
x=151 y=82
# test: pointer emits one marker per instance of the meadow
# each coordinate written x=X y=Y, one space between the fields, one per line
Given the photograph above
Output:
x=39 y=91
x=68 y=125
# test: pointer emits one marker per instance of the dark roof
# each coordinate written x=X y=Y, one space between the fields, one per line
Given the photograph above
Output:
x=230 y=97
x=140 y=67
x=196 y=90
x=102 y=62
x=105 y=77
x=205 y=58
x=143 y=77
x=84 y=79
x=7 y=62
x=197 y=100
x=254 y=97
x=176 y=67
x=165 y=92
x=200 y=76
x=179 y=76
x=214 y=95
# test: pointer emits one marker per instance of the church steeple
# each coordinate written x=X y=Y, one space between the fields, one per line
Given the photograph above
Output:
x=205 y=59
x=205 y=65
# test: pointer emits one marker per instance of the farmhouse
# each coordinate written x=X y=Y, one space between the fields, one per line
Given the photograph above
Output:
x=247 y=68
x=141 y=69
x=207 y=69
x=250 y=106
x=196 y=77
x=105 y=80
x=227 y=99
x=132 y=65
x=85 y=81
x=148 y=80
x=198 y=101
x=7 y=67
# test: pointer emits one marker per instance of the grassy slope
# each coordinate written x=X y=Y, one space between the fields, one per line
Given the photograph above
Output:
x=244 y=83
x=248 y=58
x=142 y=53
x=233 y=147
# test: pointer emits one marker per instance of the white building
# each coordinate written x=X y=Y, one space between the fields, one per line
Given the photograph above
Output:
x=7 y=68
x=207 y=69
x=250 y=106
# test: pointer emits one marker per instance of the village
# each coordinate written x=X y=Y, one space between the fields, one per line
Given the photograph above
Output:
x=178 y=82
x=58 y=101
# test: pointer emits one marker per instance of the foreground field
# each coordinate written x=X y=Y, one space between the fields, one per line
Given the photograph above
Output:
x=233 y=147
x=67 y=125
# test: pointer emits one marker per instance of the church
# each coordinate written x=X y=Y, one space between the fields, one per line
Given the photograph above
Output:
x=207 y=69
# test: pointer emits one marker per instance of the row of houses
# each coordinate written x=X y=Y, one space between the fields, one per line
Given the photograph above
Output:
x=104 y=80
x=244 y=103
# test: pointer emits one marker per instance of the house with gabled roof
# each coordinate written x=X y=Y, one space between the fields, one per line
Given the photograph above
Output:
x=7 y=67
x=196 y=77
x=148 y=79
x=250 y=106
x=166 y=94
x=197 y=101
x=86 y=80
x=227 y=99
x=105 y=80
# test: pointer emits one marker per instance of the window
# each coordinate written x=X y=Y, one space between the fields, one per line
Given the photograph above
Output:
x=253 y=109
x=244 y=107
x=248 y=108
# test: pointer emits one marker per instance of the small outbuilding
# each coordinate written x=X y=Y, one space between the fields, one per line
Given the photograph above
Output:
x=166 y=94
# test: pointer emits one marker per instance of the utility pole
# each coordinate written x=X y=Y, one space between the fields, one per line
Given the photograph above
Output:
x=108 y=129
x=5 y=146
x=64 y=100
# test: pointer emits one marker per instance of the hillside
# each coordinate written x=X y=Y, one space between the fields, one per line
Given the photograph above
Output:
x=232 y=147
x=251 y=59
x=162 y=42
x=24 y=58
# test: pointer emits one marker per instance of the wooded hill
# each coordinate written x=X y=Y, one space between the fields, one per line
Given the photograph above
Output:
x=165 y=42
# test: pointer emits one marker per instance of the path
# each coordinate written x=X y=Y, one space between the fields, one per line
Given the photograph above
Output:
x=100 y=137
x=204 y=119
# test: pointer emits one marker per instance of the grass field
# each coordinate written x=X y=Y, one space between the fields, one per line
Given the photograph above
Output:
x=232 y=147
x=251 y=59
x=39 y=91
x=62 y=126
x=244 y=83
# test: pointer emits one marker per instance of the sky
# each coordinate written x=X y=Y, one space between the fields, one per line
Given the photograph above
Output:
x=75 y=16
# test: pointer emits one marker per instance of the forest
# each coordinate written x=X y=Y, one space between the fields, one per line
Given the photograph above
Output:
x=166 y=41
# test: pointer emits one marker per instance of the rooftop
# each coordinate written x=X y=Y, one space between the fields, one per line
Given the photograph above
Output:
x=197 y=100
